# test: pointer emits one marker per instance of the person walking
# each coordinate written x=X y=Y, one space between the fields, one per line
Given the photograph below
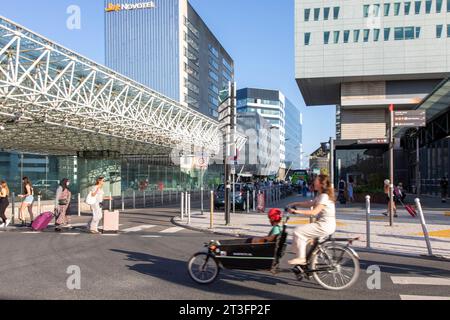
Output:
x=341 y=191
x=4 y=203
x=63 y=196
x=27 y=201
x=444 y=189
x=324 y=208
x=350 y=188
x=97 y=208
x=387 y=183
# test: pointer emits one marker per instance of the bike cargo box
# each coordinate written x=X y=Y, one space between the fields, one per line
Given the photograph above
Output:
x=237 y=254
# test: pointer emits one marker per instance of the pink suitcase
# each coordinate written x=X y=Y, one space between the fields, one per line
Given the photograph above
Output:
x=110 y=221
x=41 y=222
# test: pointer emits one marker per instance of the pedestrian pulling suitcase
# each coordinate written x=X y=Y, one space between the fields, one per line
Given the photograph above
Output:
x=42 y=221
x=111 y=221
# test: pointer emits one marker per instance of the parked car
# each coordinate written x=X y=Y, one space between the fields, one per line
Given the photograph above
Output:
x=240 y=196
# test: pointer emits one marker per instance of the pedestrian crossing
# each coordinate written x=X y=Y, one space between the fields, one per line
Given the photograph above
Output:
x=156 y=231
x=434 y=282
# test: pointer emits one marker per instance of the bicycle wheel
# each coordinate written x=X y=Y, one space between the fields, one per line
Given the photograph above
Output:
x=203 y=268
x=340 y=267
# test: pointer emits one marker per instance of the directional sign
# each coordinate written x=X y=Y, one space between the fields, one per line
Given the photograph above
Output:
x=373 y=141
x=411 y=118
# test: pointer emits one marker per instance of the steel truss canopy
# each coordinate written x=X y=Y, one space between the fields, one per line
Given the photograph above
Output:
x=54 y=101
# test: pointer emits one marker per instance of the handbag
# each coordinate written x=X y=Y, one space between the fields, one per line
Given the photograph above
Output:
x=62 y=202
x=90 y=200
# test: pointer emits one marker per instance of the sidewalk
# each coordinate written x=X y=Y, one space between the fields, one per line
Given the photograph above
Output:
x=404 y=237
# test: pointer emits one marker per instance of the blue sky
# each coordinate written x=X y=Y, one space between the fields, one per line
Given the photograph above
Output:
x=259 y=35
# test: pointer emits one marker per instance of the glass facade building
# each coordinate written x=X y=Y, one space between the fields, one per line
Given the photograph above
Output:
x=168 y=47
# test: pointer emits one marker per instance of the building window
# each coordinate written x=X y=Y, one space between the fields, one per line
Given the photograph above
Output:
x=376 y=10
x=336 y=12
x=417 y=7
x=346 y=35
x=418 y=29
x=307 y=14
x=366 y=35
x=448 y=31
x=399 y=34
x=307 y=38
x=439 y=30
x=366 y=10
x=227 y=65
x=376 y=34
x=387 y=32
x=387 y=8
x=326 y=37
x=326 y=13
x=192 y=86
x=407 y=8
x=316 y=14
x=191 y=71
x=438 y=6
x=448 y=5
x=336 y=36
x=213 y=63
x=356 y=35
x=397 y=8
x=213 y=50
x=213 y=75
x=409 y=33
x=213 y=101
x=428 y=5
x=226 y=75
x=214 y=88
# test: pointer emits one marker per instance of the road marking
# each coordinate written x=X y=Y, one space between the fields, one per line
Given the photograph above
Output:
x=437 y=234
x=139 y=228
x=31 y=232
x=70 y=234
x=150 y=236
x=412 y=297
x=421 y=281
x=172 y=230
x=109 y=234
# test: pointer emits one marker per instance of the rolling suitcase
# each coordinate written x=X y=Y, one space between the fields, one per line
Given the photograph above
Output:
x=411 y=210
x=111 y=221
x=41 y=222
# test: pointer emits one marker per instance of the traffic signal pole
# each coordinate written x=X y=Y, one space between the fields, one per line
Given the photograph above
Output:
x=391 y=165
x=230 y=143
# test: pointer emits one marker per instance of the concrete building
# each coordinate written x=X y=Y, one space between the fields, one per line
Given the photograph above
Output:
x=165 y=45
x=363 y=56
x=282 y=115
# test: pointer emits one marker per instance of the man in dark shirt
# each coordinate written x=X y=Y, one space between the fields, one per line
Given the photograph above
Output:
x=444 y=189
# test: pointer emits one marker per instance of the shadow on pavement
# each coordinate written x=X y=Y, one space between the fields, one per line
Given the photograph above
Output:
x=175 y=271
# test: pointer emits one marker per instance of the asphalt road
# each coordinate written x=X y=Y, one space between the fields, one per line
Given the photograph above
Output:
x=148 y=261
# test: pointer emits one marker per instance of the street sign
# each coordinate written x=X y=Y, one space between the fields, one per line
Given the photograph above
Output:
x=373 y=141
x=224 y=94
x=410 y=118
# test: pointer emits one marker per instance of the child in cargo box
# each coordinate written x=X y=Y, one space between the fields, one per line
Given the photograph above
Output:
x=275 y=219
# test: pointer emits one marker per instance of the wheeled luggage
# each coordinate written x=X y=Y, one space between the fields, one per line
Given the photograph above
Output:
x=411 y=210
x=42 y=221
x=110 y=221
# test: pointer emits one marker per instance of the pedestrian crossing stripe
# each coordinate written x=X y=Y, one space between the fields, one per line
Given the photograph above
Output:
x=437 y=234
x=138 y=228
x=422 y=298
x=150 y=236
x=430 y=281
x=172 y=230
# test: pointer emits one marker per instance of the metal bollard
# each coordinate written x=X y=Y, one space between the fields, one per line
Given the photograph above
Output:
x=145 y=202
x=110 y=202
x=254 y=200
x=79 y=205
x=367 y=221
x=424 y=227
x=162 y=197
x=182 y=206
x=170 y=195
x=248 y=201
x=201 y=200
x=13 y=208
x=154 y=198
x=134 y=199
x=123 y=201
x=211 y=221
x=189 y=208
x=39 y=204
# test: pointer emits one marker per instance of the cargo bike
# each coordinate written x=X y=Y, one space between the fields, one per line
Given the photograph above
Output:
x=330 y=261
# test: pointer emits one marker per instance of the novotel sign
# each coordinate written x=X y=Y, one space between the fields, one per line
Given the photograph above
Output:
x=130 y=6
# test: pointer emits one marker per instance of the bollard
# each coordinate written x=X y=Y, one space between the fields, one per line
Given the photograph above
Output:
x=211 y=214
x=39 y=204
x=13 y=208
x=424 y=227
x=162 y=198
x=189 y=208
x=201 y=200
x=248 y=201
x=254 y=200
x=170 y=195
x=134 y=199
x=123 y=201
x=144 y=200
x=154 y=198
x=367 y=221
x=110 y=202
x=182 y=206
x=79 y=205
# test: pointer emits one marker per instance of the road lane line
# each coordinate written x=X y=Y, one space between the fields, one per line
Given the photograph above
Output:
x=139 y=228
x=412 y=297
x=172 y=230
x=150 y=236
x=421 y=281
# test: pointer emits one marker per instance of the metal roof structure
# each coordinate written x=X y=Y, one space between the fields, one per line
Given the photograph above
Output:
x=55 y=101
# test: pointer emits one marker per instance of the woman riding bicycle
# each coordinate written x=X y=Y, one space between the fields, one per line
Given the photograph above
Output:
x=323 y=206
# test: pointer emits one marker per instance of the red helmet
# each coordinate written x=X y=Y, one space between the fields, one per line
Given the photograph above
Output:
x=275 y=215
